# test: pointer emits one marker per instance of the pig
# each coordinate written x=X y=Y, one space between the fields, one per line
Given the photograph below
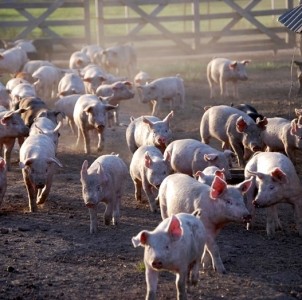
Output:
x=250 y=111
x=78 y=60
x=275 y=181
x=12 y=60
x=299 y=75
x=176 y=245
x=21 y=91
x=189 y=156
x=11 y=127
x=3 y=179
x=65 y=106
x=118 y=58
x=118 y=91
x=235 y=129
x=148 y=168
x=222 y=70
x=149 y=130
x=13 y=82
x=104 y=181
x=38 y=161
x=208 y=174
x=46 y=83
x=91 y=51
x=70 y=84
x=90 y=113
x=220 y=204
x=35 y=107
x=33 y=65
x=165 y=88
x=43 y=125
x=283 y=135
x=93 y=77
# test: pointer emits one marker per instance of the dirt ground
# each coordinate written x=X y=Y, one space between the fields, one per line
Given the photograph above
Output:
x=51 y=255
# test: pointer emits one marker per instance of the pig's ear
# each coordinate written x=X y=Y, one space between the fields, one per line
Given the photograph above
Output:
x=2 y=164
x=217 y=188
x=147 y=121
x=148 y=160
x=258 y=174
x=298 y=112
x=233 y=65
x=56 y=161
x=168 y=117
x=199 y=174
x=245 y=185
x=141 y=239
x=210 y=157
x=89 y=109
x=241 y=125
x=293 y=127
x=261 y=123
x=174 y=228
x=220 y=173
x=167 y=156
x=245 y=62
x=84 y=168
x=279 y=176
x=28 y=162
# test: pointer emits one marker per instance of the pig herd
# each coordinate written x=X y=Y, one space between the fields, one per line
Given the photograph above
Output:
x=186 y=180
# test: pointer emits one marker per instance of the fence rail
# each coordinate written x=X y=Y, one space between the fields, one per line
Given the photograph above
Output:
x=157 y=26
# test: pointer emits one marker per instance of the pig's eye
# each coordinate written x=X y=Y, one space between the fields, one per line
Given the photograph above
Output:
x=228 y=201
x=272 y=187
x=98 y=188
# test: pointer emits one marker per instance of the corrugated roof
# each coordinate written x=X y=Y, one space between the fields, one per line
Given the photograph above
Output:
x=292 y=19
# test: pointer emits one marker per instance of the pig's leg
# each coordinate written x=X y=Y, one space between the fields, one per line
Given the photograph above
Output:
x=85 y=134
x=116 y=211
x=151 y=281
x=7 y=152
x=150 y=196
x=100 y=141
x=238 y=149
x=272 y=222
x=31 y=192
x=138 y=190
x=195 y=271
x=235 y=89
x=93 y=219
x=223 y=88
x=108 y=213
x=181 y=285
x=212 y=248
x=156 y=107
x=79 y=137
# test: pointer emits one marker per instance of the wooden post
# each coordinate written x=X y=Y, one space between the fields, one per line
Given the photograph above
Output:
x=87 y=22
x=196 y=23
x=99 y=8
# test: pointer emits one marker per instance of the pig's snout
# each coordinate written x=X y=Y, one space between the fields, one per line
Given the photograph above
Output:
x=100 y=126
x=161 y=141
x=255 y=203
x=157 y=264
x=256 y=148
x=40 y=185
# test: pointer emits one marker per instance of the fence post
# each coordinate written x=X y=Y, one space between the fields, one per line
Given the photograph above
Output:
x=196 y=23
x=99 y=9
x=87 y=21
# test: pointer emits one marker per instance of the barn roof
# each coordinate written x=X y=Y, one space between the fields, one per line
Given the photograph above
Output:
x=292 y=19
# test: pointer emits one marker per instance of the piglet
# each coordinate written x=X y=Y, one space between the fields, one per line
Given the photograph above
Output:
x=148 y=168
x=176 y=245
x=275 y=181
x=104 y=181
x=149 y=130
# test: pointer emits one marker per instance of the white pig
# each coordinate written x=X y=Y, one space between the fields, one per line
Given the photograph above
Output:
x=12 y=60
x=149 y=130
x=104 y=181
x=189 y=156
x=208 y=174
x=78 y=60
x=220 y=204
x=222 y=70
x=37 y=161
x=71 y=84
x=66 y=105
x=3 y=179
x=276 y=182
x=148 y=168
x=90 y=114
x=165 y=88
x=234 y=129
x=176 y=245
x=283 y=135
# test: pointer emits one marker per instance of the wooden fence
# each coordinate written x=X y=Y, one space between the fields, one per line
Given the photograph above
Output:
x=159 y=27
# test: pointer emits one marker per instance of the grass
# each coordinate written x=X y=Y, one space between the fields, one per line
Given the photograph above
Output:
x=120 y=12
